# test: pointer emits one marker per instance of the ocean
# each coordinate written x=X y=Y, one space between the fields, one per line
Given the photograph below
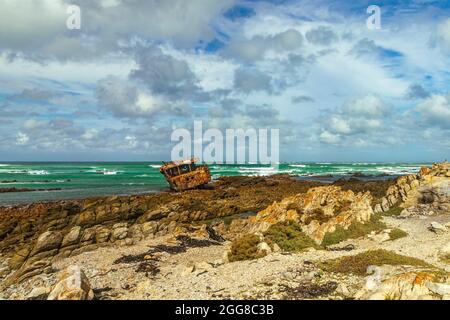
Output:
x=82 y=180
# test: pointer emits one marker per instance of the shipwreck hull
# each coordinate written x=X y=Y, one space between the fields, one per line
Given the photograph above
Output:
x=185 y=175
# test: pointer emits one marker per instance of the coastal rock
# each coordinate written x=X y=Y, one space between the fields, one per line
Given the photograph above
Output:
x=72 y=237
x=436 y=227
x=72 y=285
x=120 y=231
x=47 y=241
x=149 y=228
x=264 y=248
x=319 y=211
x=39 y=293
x=399 y=283
x=5 y=266
x=427 y=192
x=102 y=234
x=28 y=270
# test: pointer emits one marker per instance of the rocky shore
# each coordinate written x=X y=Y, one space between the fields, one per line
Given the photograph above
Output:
x=244 y=237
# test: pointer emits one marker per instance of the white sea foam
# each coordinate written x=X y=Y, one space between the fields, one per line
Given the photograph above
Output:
x=38 y=172
x=261 y=171
x=297 y=165
x=110 y=172
x=156 y=166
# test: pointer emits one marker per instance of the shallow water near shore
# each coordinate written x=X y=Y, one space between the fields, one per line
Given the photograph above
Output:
x=82 y=180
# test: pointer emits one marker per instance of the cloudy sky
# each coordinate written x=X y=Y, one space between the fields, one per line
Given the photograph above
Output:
x=138 y=69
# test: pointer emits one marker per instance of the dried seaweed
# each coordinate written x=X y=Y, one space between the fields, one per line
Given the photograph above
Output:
x=147 y=261
x=149 y=267
x=309 y=290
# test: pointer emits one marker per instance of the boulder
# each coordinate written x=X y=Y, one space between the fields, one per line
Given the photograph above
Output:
x=436 y=227
x=72 y=285
x=102 y=234
x=264 y=248
x=47 y=241
x=39 y=293
x=72 y=237
x=120 y=231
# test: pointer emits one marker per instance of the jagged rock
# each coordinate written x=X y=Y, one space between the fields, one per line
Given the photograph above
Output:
x=403 y=283
x=5 y=266
x=72 y=237
x=319 y=211
x=264 y=248
x=88 y=235
x=28 y=270
x=40 y=293
x=47 y=241
x=72 y=285
x=120 y=231
x=385 y=204
x=149 y=228
x=377 y=208
x=102 y=234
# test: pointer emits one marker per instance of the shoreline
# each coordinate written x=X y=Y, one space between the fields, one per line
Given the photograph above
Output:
x=325 y=179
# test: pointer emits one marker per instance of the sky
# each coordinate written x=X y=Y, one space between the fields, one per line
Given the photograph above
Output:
x=136 y=70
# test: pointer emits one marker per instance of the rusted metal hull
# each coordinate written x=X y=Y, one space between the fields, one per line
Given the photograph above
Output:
x=190 y=180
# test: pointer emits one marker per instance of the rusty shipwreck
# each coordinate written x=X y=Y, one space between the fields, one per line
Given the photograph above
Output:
x=185 y=174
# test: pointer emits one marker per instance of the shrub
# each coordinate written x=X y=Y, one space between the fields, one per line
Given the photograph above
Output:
x=358 y=264
x=397 y=233
x=245 y=248
x=394 y=211
x=289 y=237
x=356 y=230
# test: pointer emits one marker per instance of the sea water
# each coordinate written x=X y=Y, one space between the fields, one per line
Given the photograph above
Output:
x=82 y=180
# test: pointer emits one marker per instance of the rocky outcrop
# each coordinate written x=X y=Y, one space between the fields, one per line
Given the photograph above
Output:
x=425 y=193
x=319 y=211
x=405 y=283
x=72 y=285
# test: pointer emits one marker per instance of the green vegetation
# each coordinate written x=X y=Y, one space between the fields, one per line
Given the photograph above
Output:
x=397 y=233
x=394 y=211
x=289 y=237
x=356 y=230
x=245 y=248
x=358 y=264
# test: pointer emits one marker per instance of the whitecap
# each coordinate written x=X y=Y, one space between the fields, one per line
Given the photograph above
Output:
x=110 y=172
x=38 y=172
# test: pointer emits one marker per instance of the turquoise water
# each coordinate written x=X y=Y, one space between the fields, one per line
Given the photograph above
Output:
x=81 y=180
